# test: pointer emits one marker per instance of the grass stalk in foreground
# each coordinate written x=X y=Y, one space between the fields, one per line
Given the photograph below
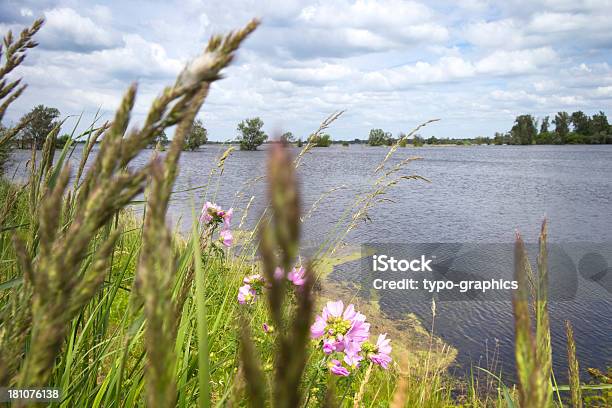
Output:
x=572 y=367
x=532 y=352
x=279 y=245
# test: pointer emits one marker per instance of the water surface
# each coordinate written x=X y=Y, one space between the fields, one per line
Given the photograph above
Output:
x=476 y=195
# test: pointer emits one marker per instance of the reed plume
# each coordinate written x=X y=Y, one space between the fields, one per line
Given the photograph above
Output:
x=532 y=351
x=278 y=247
x=158 y=263
x=573 y=370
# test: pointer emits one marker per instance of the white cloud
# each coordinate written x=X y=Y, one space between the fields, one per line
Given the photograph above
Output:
x=516 y=62
x=396 y=20
x=65 y=29
x=390 y=63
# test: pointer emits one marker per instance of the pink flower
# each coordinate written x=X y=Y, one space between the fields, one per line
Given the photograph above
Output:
x=212 y=213
x=340 y=326
x=279 y=273
x=227 y=218
x=336 y=368
x=352 y=358
x=267 y=328
x=246 y=294
x=227 y=237
x=297 y=276
x=383 y=351
x=328 y=346
x=252 y=279
x=209 y=212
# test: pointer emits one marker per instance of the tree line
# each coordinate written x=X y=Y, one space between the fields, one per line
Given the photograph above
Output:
x=574 y=128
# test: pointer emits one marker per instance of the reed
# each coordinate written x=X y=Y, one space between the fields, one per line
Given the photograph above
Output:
x=573 y=368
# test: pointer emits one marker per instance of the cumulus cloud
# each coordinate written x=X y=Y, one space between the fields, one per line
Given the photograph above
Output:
x=66 y=29
x=390 y=63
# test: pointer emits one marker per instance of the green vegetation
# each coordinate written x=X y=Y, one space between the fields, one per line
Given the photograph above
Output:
x=320 y=140
x=40 y=121
x=287 y=137
x=577 y=128
x=62 y=140
x=159 y=140
x=250 y=134
x=196 y=137
x=379 y=137
x=118 y=311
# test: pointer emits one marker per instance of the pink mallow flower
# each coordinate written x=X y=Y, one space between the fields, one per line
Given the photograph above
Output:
x=352 y=355
x=253 y=279
x=246 y=294
x=279 y=273
x=212 y=213
x=329 y=346
x=297 y=276
x=378 y=353
x=336 y=368
x=209 y=212
x=227 y=217
x=340 y=326
x=267 y=328
x=227 y=237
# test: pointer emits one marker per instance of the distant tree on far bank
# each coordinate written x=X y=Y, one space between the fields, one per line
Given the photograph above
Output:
x=196 y=137
x=580 y=122
x=42 y=120
x=287 y=137
x=574 y=128
x=379 y=137
x=524 y=130
x=161 y=139
x=321 y=140
x=562 y=122
x=545 y=125
x=62 y=140
x=250 y=134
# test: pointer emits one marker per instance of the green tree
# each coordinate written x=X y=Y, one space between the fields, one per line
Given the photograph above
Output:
x=378 y=137
x=545 y=125
x=524 y=130
x=417 y=141
x=196 y=137
x=287 y=137
x=322 y=140
x=42 y=120
x=432 y=140
x=250 y=134
x=580 y=122
x=600 y=128
x=161 y=139
x=562 y=122
x=545 y=138
x=498 y=138
x=62 y=140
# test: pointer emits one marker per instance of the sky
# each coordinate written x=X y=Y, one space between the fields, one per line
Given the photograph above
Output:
x=390 y=64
